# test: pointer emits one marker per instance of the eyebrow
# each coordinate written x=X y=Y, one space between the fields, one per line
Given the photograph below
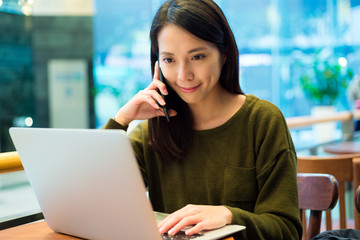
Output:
x=190 y=51
x=197 y=49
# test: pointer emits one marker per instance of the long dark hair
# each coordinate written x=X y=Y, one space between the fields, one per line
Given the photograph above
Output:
x=205 y=20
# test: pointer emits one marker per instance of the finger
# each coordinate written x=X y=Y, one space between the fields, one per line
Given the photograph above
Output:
x=157 y=85
x=156 y=71
x=178 y=215
x=160 y=112
x=144 y=98
x=156 y=80
x=170 y=221
x=196 y=229
x=172 y=113
x=166 y=224
x=186 y=221
x=152 y=97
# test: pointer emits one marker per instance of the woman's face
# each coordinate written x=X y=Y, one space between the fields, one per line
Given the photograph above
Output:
x=191 y=66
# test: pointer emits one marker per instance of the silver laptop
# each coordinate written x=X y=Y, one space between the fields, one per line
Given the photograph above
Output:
x=88 y=184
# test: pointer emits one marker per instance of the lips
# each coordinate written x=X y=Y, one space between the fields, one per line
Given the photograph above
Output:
x=189 y=90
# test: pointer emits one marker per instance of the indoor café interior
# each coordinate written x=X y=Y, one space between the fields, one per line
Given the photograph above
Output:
x=72 y=64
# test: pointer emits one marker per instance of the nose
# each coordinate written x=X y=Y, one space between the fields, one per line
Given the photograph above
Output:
x=185 y=72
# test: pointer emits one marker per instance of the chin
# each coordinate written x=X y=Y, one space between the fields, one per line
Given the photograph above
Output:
x=190 y=101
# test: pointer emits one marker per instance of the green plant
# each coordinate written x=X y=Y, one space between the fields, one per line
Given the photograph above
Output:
x=325 y=81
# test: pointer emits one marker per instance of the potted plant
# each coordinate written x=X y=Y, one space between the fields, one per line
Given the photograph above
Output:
x=323 y=84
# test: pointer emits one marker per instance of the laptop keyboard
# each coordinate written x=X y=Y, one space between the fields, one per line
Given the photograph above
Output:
x=180 y=236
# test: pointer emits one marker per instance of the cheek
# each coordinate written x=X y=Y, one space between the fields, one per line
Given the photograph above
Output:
x=214 y=71
x=170 y=77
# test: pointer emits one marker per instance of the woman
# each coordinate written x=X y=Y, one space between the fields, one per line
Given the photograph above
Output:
x=224 y=157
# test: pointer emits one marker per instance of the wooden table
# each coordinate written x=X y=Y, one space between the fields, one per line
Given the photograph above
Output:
x=38 y=231
x=349 y=147
x=33 y=231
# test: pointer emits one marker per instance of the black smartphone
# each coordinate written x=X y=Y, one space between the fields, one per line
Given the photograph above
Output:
x=161 y=78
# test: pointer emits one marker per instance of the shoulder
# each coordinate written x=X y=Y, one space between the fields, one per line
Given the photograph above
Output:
x=268 y=122
x=262 y=110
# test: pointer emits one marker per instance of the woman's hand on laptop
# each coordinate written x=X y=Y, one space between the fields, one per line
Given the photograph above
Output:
x=199 y=217
x=144 y=104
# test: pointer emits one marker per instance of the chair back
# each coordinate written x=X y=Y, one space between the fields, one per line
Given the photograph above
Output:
x=357 y=199
x=317 y=193
x=341 y=167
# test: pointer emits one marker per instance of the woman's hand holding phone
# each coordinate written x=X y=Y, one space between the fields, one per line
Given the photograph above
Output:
x=144 y=105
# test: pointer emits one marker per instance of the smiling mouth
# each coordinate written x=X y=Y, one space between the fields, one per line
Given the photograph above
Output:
x=189 y=90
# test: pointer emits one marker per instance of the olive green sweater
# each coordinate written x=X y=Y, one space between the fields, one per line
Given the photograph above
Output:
x=247 y=164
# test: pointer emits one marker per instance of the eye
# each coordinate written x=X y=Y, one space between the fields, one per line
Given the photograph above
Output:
x=198 y=57
x=168 y=60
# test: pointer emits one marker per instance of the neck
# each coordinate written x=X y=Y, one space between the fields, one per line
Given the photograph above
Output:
x=216 y=111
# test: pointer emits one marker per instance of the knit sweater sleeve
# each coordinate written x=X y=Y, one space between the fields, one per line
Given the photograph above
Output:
x=276 y=213
x=112 y=124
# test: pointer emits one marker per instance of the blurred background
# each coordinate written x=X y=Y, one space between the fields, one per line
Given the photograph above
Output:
x=73 y=63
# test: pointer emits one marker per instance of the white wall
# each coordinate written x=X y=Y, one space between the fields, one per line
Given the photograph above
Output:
x=63 y=7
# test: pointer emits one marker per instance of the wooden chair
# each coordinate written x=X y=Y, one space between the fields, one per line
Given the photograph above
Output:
x=357 y=199
x=317 y=193
x=343 y=168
